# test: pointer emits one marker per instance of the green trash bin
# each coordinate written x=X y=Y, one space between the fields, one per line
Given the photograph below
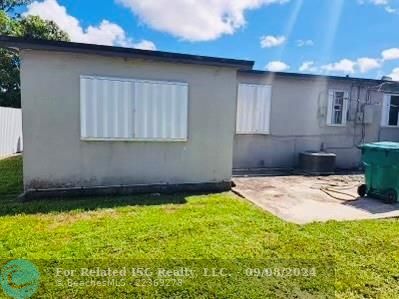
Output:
x=381 y=162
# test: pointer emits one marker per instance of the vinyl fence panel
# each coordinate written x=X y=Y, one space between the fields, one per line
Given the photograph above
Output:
x=10 y=131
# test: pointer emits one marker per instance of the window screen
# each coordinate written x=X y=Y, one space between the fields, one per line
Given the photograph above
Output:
x=337 y=107
x=133 y=109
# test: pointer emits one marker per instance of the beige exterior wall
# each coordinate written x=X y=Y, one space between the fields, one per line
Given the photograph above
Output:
x=298 y=123
x=56 y=157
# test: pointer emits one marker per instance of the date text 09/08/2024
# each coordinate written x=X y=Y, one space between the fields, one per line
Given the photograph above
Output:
x=185 y=272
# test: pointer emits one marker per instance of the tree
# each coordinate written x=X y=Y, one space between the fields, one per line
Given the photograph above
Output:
x=9 y=67
x=29 y=27
x=9 y=5
x=35 y=27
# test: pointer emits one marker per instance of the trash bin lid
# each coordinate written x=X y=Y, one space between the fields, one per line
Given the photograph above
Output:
x=383 y=146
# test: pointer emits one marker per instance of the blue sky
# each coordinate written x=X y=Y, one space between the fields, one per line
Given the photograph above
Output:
x=355 y=37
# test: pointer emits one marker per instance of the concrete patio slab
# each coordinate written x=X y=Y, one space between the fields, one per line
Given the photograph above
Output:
x=302 y=200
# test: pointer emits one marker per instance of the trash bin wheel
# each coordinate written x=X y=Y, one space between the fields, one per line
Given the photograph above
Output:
x=390 y=196
x=362 y=190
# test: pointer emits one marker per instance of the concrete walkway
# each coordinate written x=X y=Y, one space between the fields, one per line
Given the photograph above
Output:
x=300 y=199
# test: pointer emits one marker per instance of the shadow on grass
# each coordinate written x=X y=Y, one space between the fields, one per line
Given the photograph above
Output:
x=11 y=186
x=10 y=206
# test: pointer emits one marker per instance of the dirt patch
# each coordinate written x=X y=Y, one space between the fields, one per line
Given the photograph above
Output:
x=68 y=219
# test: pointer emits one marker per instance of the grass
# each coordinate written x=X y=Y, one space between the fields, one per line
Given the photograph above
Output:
x=152 y=230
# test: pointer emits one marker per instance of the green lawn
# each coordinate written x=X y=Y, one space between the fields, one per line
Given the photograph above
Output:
x=220 y=227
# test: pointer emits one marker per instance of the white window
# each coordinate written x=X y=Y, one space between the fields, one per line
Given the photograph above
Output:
x=390 y=111
x=253 y=109
x=337 y=110
x=127 y=109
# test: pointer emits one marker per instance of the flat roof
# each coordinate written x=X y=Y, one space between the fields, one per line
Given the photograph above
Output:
x=316 y=76
x=71 y=47
x=244 y=66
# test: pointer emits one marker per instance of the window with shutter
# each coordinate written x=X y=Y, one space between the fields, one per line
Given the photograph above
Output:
x=129 y=109
x=253 y=109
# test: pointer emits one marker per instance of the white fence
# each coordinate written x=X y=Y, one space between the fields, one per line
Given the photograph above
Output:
x=10 y=131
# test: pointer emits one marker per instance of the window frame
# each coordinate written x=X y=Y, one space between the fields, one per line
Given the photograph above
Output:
x=133 y=139
x=269 y=112
x=386 y=111
x=331 y=104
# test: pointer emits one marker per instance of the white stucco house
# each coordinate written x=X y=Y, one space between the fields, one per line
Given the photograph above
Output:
x=106 y=120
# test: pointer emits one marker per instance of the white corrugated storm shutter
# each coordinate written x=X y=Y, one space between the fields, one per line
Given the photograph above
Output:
x=253 y=109
x=106 y=108
x=160 y=110
x=125 y=109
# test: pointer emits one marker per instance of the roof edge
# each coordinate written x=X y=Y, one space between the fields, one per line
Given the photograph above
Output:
x=312 y=76
x=72 y=47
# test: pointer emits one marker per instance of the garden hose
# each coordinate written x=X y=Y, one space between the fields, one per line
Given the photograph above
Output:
x=330 y=189
x=329 y=192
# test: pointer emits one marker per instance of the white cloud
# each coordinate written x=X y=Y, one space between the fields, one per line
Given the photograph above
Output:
x=304 y=43
x=390 y=54
x=195 y=20
x=145 y=45
x=375 y=2
x=390 y=9
x=106 y=33
x=346 y=66
x=386 y=4
x=366 y=64
x=308 y=66
x=343 y=66
x=359 y=65
x=395 y=74
x=277 y=66
x=270 y=41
